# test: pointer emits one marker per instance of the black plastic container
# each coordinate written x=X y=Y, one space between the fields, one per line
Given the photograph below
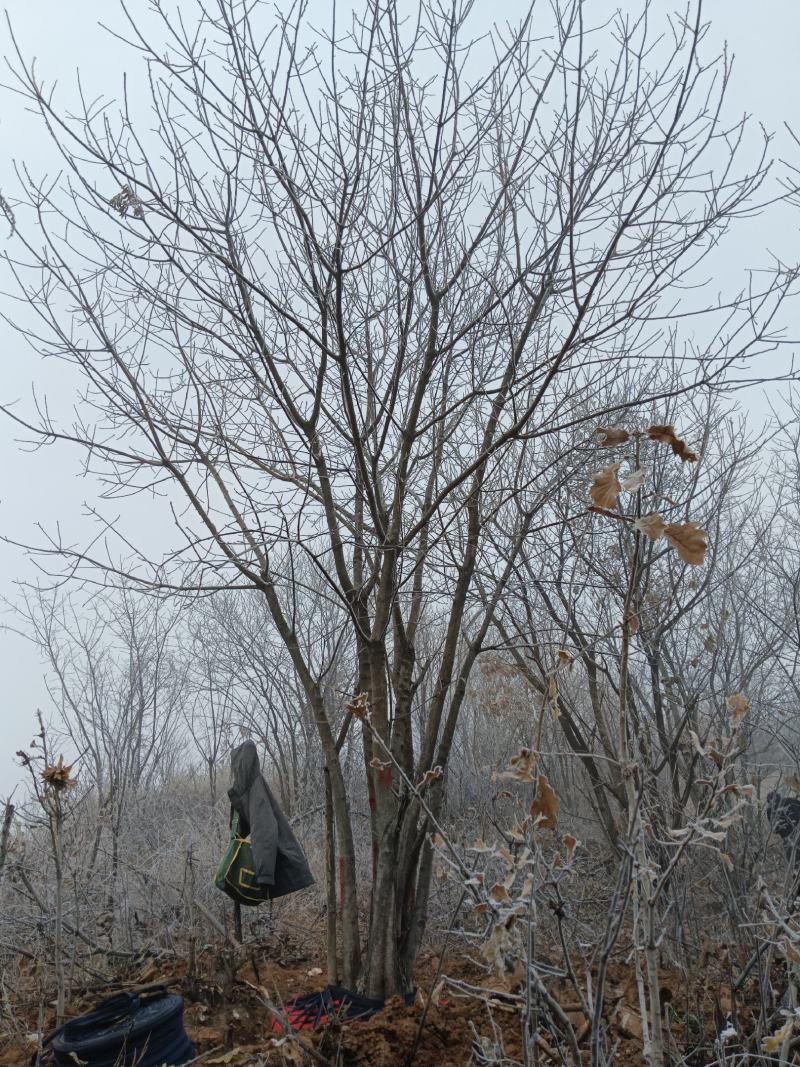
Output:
x=127 y=1030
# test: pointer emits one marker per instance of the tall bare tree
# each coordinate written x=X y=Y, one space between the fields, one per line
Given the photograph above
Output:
x=347 y=298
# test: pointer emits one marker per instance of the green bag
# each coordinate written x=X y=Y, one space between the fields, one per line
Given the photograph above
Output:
x=236 y=874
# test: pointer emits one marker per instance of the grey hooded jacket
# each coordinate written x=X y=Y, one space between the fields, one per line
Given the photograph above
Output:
x=279 y=859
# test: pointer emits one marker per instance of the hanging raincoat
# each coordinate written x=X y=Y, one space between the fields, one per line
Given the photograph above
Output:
x=278 y=859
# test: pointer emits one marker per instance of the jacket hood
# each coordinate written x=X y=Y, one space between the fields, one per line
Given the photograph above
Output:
x=245 y=767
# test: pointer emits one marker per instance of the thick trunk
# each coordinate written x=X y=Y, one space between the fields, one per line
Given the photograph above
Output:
x=351 y=950
x=384 y=805
x=330 y=879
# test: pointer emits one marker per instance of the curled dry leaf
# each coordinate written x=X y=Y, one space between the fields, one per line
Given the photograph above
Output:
x=430 y=776
x=612 y=435
x=359 y=706
x=652 y=526
x=666 y=435
x=787 y=949
x=605 y=487
x=635 y=480
x=496 y=948
x=479 y=845
x=499 y=894
x=564 y=657
x=544 y=808
x=737 y=706
x=57 y=775
x=520 y=767
x=570 y=844
x=689 y=541
x=775 y=1041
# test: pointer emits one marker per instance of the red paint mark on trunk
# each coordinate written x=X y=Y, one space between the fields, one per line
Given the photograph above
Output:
x=385 y=775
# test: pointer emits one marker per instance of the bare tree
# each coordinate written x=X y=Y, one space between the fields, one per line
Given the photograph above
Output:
x=117 y=691
x=348 y=299
x=695 y=641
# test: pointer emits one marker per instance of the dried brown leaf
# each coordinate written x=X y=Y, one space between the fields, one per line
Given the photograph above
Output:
x=634 y=481
x=521 y=766
x=359 y=706
x=652 y=525
x=605 y=487
x=666 y=435
x=570 y=844
x=787 y=949
x=499 y=894
x=57 y=775
x=544 y=808
x=775 y=1041
x=737 y=706
x=430 y=776
x=564 y=657
x=479 y=845
x=612 y=435
x=689 y=541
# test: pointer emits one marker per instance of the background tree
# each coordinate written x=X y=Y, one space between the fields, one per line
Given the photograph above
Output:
x=117 y=690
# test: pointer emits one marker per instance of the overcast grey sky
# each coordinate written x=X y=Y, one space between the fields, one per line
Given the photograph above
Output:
x=43 y=487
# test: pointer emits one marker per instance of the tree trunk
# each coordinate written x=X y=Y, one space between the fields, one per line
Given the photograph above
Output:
x=330 y=879
x=5 y=835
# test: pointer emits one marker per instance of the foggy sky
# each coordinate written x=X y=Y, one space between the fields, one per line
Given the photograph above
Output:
x=43 y=487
